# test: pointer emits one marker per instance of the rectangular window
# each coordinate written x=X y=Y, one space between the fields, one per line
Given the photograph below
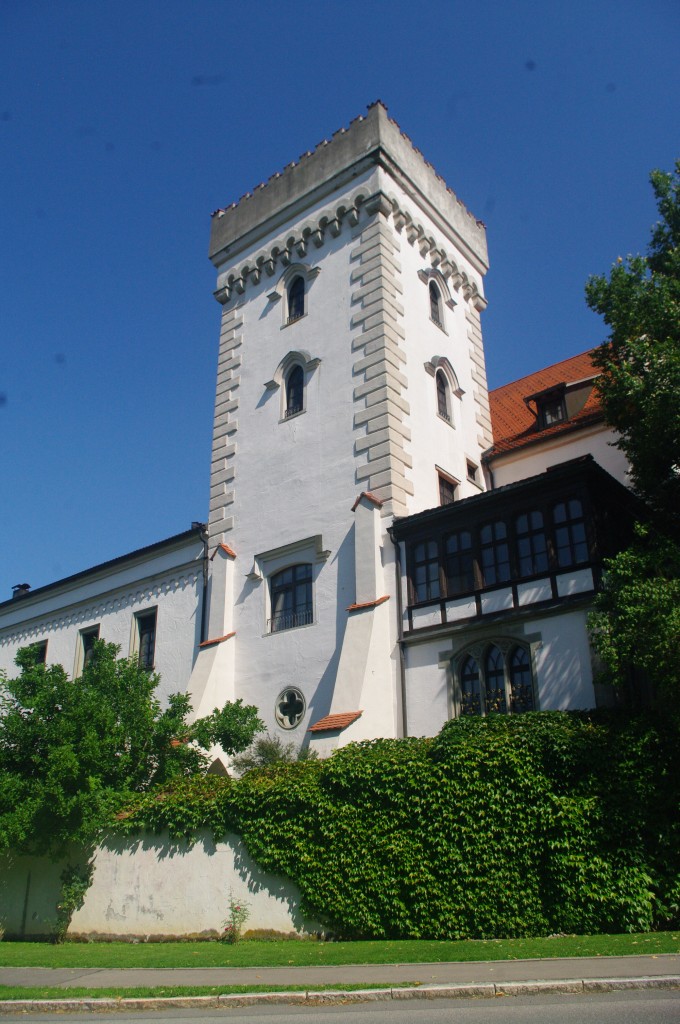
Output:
x=472 y=471
x=40 y=649
x=86 y=640
x=552 y=410
x=570 y=533
x=291 y=598
x=146 y=638
x=447 y=490
x=495 y=553
x=460 y=573
x=426 y=584
x=532 y=547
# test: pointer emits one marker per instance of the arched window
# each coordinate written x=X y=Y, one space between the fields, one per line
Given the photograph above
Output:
x=291 y=598
x=435 y=304
x=494 y=678
x=469 y=684
x=296 y=299
x=521 y=690
x=495 y=682
x=443 y=405
x=295 y=389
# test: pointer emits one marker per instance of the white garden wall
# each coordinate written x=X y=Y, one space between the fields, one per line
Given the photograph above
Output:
x=151 y=886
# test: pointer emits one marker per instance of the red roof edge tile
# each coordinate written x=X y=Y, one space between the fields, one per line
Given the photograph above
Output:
x=369 y=497
x=368 y=604
x=337 y=721
x=217 y=640
x=223 y=547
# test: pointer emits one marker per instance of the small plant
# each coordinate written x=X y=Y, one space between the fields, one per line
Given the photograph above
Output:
x=236 y=918
x=75 y=881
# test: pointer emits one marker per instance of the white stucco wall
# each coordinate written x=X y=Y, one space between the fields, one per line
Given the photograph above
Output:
x=562 y=660
x=151 y=886
x=169 y=580
x=533 y=460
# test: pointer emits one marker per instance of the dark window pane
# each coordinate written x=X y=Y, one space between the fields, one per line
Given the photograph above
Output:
x=146 y=634
x=296 y=299
x=570 y=535
x=435 y=309
x=295 y=383
x=531 y=543
x=443 y=396
x=495 y=553
x=291 y=598
x=469 y=685
x=495 y=682
x=522 y=694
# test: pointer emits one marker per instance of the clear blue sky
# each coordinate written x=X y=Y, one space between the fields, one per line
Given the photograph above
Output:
x=124 y=124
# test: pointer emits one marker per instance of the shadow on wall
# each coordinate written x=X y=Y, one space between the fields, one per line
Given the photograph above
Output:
x=150 y=886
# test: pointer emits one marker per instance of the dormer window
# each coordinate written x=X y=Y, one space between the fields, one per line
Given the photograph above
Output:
x=296 y=299
x=551 y=409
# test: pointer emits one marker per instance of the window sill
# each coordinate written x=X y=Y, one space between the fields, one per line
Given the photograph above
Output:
x=447 y=419
x=293 y=416
x=440 y=325
x=295 y=320
x=291 y=629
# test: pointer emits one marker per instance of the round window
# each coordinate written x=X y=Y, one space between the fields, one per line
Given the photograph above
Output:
x=290 y=707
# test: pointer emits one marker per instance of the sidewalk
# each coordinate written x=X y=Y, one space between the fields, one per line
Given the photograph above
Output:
x=477 y=978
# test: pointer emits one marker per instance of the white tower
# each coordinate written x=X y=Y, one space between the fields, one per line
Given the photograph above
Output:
x=351 y=389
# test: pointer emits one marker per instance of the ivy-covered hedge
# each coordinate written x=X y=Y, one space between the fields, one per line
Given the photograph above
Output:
x=497 y=827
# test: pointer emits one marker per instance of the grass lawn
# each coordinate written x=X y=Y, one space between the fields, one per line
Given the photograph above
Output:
x=304 y=954
x=52 y=992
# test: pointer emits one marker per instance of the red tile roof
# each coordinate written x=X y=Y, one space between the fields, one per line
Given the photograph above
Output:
x=369 y=497
x=337 y=721
x=217 y=640
x=514 y=424
x=368 y=604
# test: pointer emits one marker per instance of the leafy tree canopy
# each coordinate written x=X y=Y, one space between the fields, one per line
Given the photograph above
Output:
x=637 y=621
x=640 y=383
x=71 y=751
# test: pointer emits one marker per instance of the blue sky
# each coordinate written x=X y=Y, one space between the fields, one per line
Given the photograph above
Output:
x=124 y=124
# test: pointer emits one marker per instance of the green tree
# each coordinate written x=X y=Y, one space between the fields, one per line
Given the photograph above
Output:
x=637 y=622
x=640 y=362
x=73 y=751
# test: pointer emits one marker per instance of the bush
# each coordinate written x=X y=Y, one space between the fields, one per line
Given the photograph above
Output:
x=498 y=827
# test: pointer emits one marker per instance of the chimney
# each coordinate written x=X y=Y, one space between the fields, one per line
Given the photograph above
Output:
x=20 y=590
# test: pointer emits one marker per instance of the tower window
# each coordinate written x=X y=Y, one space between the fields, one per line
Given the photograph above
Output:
x=295 y=390
x=443 y=405
x=447 y=490
x=435 y=304
x=296 y=299
x=291 y=598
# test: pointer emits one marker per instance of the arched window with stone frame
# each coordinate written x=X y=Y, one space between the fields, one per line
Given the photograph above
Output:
x=493 y=677
x=296 y=299
x=435 y=304
x=295 y=391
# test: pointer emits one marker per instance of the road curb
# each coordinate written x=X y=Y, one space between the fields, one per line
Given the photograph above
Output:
x=489 y=990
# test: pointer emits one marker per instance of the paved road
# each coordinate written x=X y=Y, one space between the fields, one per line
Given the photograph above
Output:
x=608 y=1008
x=388 y=974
